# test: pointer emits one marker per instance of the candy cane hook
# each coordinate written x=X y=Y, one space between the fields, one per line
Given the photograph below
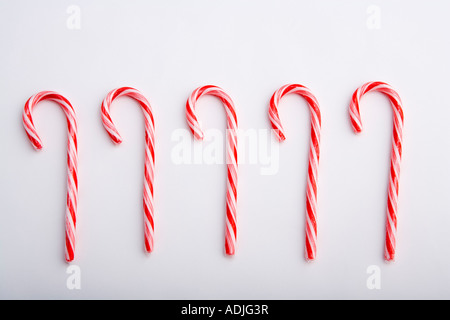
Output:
x=232 y=158
x=72 y=159
x=314 y=154
x=149 y=152
x=396 y=154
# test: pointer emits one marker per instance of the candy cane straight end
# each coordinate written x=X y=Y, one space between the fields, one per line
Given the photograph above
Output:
x=389 y=253
x=69 y=259
x=229 y=251
x=310 y=248
x=310 y=257
x=389 y=260
x=148 y=250
x=69 y=252
x=148 y=246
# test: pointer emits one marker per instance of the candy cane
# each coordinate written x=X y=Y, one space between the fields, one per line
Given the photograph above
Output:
x=232 y=158
x=72 y=159
x=314 y=153
x=149 y=152
x=396 y=154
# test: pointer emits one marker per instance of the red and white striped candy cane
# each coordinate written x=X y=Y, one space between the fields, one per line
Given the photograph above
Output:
x=232 y=157
x=314 y=154
x=149 y=152
x=396 y=154
x=72 y=159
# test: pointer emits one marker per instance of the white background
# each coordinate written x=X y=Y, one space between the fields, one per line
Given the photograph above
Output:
x=249 y=48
